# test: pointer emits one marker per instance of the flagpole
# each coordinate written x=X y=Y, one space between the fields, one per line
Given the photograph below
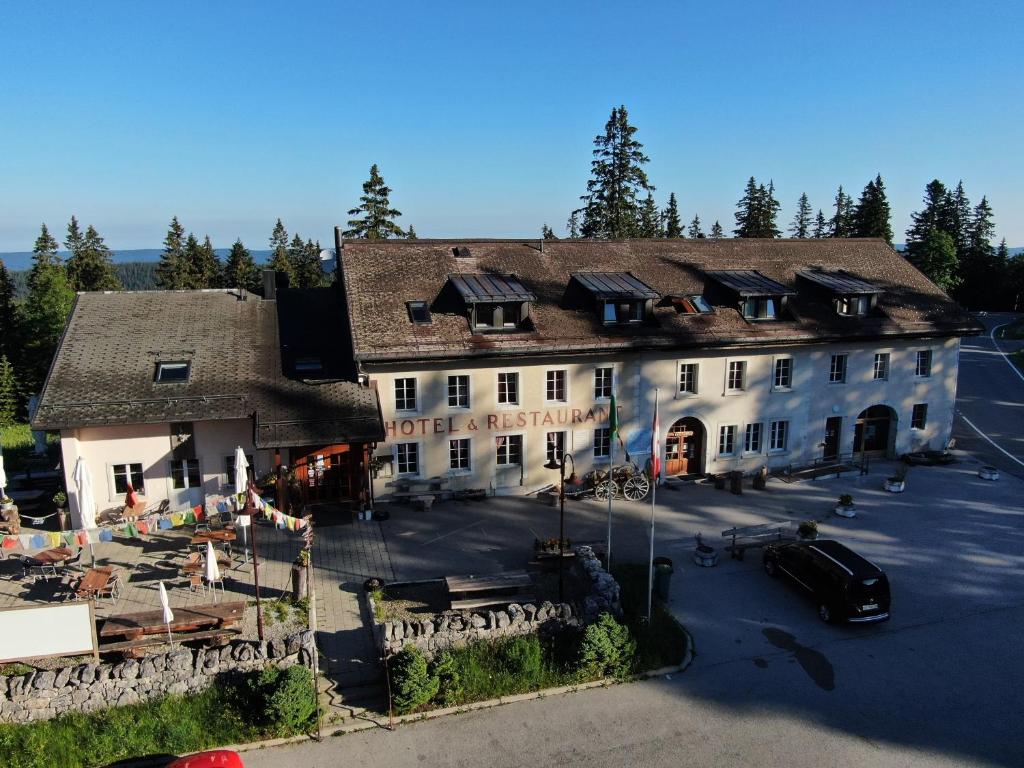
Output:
x=655 y=466
x=613 y=424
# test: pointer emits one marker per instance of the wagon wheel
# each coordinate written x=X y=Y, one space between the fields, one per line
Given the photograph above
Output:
x=636 y=487
x=602 y=489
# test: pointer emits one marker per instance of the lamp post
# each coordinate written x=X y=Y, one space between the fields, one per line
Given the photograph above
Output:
x=560 y=465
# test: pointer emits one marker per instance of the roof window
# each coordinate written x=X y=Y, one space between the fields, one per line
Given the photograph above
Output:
x=172 y=372
x=691 y=305
x=419 y=312
x=308 y=365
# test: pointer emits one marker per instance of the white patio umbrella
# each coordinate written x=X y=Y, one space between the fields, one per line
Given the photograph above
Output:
x=241 y=471
x=168 y=615
x=212 y=568
x=86 y=501
x=3 y=475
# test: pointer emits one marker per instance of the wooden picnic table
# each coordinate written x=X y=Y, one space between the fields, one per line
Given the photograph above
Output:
x=94 y=581
x=53 y=556
x=196 y=563
x=467 y=592
x=132 y=626
x=220 y=536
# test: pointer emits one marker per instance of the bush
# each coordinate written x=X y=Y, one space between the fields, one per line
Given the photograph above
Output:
x=412 y=685
x=607 y=648
x=450 y=690
x=285 y=698
x=523 y=656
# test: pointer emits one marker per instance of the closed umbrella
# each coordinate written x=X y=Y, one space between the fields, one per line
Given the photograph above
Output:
x=212 y=568
x=3 y=475
x=241 y=471
x=86 y=501
x=166 y=606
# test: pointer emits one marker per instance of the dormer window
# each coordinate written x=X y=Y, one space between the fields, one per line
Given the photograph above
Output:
x=623 y=311
x=857 y=306
x=851 y=296
x=618 y=297
x=494 y=302
x=419 y=312
x=759 y=298
x=761 y=308
x=175 y=372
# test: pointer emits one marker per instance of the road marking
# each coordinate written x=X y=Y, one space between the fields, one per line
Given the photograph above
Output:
x=993 y=442
x=992 y=336
x=452 y=533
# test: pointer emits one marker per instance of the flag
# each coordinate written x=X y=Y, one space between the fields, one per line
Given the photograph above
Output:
x=613 y=419
x=655 y=444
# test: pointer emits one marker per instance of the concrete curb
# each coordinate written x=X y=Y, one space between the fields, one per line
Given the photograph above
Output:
x=382 y=721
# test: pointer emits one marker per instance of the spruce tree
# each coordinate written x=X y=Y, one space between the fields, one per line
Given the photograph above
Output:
x=801 y=225
x=981 y=277
x=840 y=225
x=936 y=258
x=240 y=270
x=956 y=218
x=695 y=231
x=820 y=226
x=204 y=266
x=547 y=233
x=872 y=216
x=74 y=242
x=8 y=393
x=9 y=327
x=279 y=261
x=610 y=208
x=171 y=271
x=410 y=233
x=572 y=226
x=44 y=256
x=305 y=259
x=649 y=224
x=933 y=216
x=376 y=216
x=673 y=224
x=90 y=267
x=747 y=210
x=770 y=207
x=716 y=231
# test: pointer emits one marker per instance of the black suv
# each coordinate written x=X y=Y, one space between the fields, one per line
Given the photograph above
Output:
x=845 y=586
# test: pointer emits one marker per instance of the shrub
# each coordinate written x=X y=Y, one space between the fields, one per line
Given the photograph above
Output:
x=846 y=500
x=607 y=648
x=523 y=657
x=285 y=698
x=412 y=685
x=446 y=669
x=808 y=529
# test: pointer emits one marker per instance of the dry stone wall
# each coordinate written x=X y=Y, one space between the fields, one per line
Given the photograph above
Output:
x=44 y=694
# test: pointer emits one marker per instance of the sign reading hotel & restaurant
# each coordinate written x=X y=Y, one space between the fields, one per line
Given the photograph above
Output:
x=490 y=422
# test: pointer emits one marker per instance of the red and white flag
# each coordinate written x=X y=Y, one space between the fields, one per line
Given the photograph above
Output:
x=655 y=443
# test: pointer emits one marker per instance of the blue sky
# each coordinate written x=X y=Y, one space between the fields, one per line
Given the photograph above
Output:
x=482 y=120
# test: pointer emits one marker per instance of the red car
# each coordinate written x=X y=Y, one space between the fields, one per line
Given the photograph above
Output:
x=217 y=758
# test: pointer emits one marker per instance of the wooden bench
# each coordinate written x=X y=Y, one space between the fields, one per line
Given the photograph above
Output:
x=132 y=626
x=132 y=648
x=468 y=592
x=757 y=536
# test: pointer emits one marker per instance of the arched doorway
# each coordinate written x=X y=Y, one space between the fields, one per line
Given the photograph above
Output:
x=684 y=448
x=875 y=433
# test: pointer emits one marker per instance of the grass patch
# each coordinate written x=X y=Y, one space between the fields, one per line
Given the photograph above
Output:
x=1014 y=330
x=662 y=642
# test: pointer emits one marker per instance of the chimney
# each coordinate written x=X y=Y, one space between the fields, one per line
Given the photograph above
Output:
x=339 y=247
x=269 y=284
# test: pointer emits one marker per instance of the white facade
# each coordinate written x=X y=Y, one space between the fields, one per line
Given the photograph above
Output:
x=508 y=435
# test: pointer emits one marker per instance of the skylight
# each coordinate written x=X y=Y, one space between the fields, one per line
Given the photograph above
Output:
x=419 y=312
x=172 y=372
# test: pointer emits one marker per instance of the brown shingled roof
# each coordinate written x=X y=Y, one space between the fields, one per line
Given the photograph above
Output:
x=381 y=275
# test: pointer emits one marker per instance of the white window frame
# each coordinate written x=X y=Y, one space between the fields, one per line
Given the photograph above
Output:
x=548 y=446
x=846 y=367
x=885 y=357
x=728 y=376
x=468 y=470
x=696 y=378
x=721 y=435
x=188 y=486
x=773 y=449
x=776 y=387
x=607 y=439
x=522 y=449
x=415 y=395
x=419 y=459
x=927 y=355
x=747 y=431
x=565 y=385
x=924 y=425
x=112 y=478
x=469 y=390
x=611 y=382
x=519 y=389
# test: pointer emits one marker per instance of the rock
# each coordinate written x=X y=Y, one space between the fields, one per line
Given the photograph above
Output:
x=44 y=679
x=63 y=676
x=531 y=612
x=502 y=619
x=477 y=621
x=147 y=669
x=292 y=643
x=180 y=660
x=79 y=697
x=491 y=620
x=127 y=697
x=426 y=627
x=276 y=648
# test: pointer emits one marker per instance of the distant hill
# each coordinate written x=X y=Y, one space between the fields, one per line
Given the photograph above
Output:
x=16 y=260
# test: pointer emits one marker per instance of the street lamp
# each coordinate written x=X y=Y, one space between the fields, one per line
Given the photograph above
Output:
x=560 y=465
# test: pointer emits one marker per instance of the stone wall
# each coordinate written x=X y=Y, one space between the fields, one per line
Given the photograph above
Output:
x=43 y=694
x=454 y=629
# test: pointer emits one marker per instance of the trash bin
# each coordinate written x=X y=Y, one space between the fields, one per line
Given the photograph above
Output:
x=663 y=571
x=736 y=481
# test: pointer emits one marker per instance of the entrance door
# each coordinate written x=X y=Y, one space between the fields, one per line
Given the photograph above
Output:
x=683 y=447
x=186 y=483
x=875 y=427
x=833 y=427
x=326 y=475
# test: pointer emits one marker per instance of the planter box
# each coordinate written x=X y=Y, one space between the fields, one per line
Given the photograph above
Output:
x=895 y=486
x=705 y=557
x=988 y=473
x=846 y=511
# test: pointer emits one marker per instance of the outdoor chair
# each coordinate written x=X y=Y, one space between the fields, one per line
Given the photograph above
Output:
x=72 y=563
x=112 y=590
x=196 y=583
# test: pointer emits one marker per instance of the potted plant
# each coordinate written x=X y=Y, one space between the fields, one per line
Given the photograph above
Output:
x=897 y=483
x=60 y=499
x=704 y=555
x=845 y=507
x=808 y=529
x=6 y=502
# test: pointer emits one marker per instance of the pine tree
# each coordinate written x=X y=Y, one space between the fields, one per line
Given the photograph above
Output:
x=377 y=217
x=240 y=270
x=9 y=398
x=305 y=259
x=695 y=231
x=279 y=261
x=203 y=265
x=872 y=216
x=716 y=231
x=980 y=273
x=649 y=224
x=547 y=233
x=756 y=211
x=770 y=207
x=44 y=256
x=411 y=233
x=956 y=218
x=673 y=224
x=820 y=226
x=840 y=225
x=610 y=208
x=936 y=258
x=9 y=327
x=572 y=226
x=90 y=267
x=801 y=225
x=172 y=270
x=46 y=310
x=933 y=216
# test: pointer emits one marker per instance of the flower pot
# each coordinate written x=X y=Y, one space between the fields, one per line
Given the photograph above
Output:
x=846 y=510
x=705 y=556
x=893 y=485
x=988 y=473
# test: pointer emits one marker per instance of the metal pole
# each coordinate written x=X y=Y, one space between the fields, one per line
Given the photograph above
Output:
x=655 y=446
x=250 y=509
x=611 y=492
x=561 y=536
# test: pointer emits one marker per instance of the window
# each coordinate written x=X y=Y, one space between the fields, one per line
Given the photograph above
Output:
x=726 y=440
x=778 y=436
x=923 y=367
x=458 y=391
x=510 y=315
x=229 y=467
x=555 y=446
x=555 y=388
x=623 y=311
x=125 y=474
x=688 y=378
x=419 y=312
x=458 y=452
x=837 y=370
x=737 y=376
x=508 y=389
x=602 y=383
x=919 y=417
x=509 y=449
x=185 y=473
x=752 y=439
x=408 y=457
x=405 y=394
x=485 y=315
x=784 y=373
x=602 y=442
x=854 y=305
x=172 y=373
x=690 y=305
x=308 y=365
x=881 y=369
x=760 y=308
